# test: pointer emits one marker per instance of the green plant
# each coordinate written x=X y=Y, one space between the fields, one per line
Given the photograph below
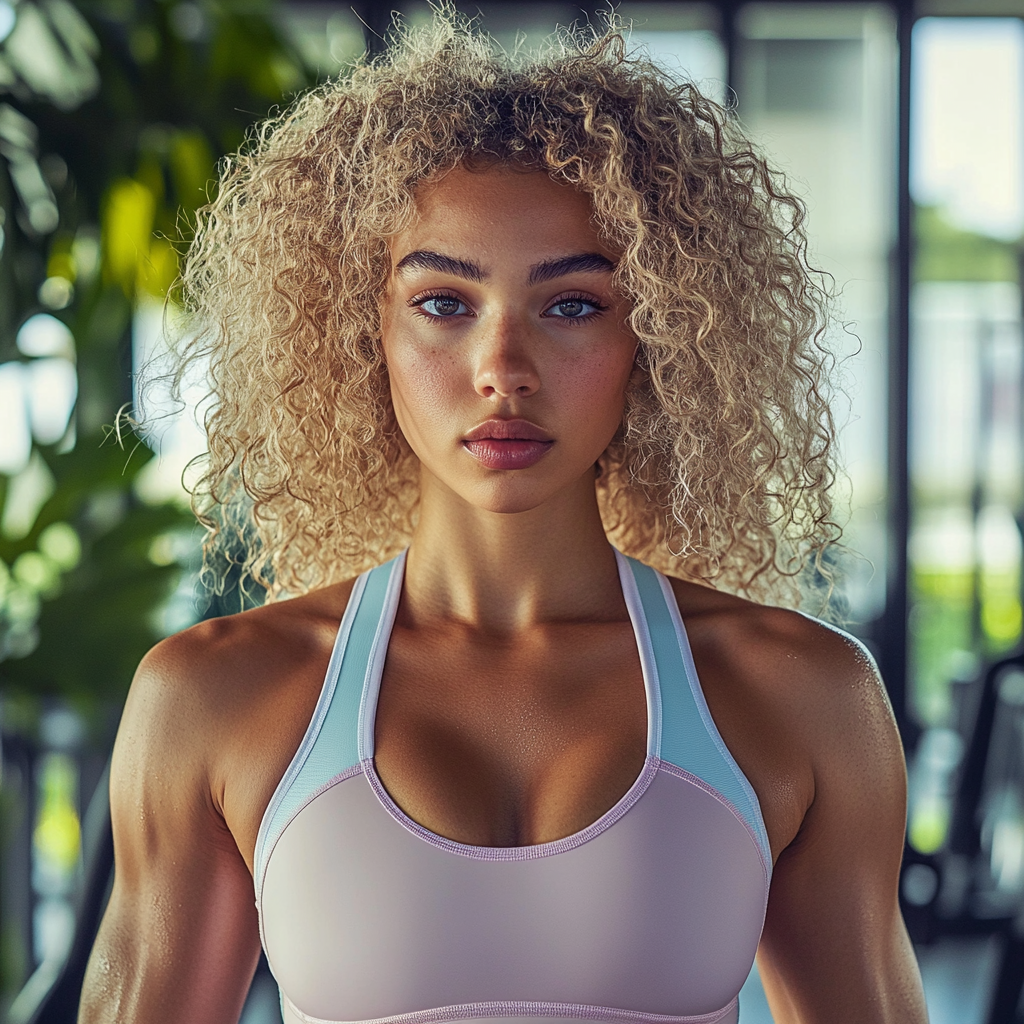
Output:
x=109 y=137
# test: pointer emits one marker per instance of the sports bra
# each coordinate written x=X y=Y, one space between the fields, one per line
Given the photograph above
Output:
x=651 y=915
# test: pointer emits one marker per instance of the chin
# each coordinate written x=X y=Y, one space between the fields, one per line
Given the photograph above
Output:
x=508 y=500
x=509 y=493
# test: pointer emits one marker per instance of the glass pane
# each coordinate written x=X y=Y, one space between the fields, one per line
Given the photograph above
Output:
x=682 y=38
x=512 y=25
x=816 y=86
x=965 y=451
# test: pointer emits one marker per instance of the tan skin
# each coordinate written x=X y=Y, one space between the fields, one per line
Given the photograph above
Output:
x=512 y=708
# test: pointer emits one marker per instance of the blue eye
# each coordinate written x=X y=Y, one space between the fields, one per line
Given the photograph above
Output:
x=443 y=306
x=574 y=309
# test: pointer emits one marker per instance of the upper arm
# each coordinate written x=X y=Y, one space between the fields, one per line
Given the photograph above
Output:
x=179 y=940
x=834 y=946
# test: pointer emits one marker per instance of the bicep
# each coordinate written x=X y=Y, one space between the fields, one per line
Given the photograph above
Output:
x=179 y=939
x=834 y=947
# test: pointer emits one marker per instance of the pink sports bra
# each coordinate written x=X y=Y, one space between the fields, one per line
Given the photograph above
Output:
x=651 y=915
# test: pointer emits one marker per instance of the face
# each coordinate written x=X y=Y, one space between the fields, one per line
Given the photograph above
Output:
x=504 y=339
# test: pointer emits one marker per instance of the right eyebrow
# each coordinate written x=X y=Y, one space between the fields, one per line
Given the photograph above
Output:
x=424 y=259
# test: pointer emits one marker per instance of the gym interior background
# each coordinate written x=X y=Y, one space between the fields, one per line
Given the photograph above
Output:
x=902 y=125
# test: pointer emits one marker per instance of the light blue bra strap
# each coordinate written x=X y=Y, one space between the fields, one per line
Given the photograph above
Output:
x=689 y=737
x=330 y=745
x=386 y=595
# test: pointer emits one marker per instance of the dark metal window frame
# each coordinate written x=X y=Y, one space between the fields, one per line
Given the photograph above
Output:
x=891 y=631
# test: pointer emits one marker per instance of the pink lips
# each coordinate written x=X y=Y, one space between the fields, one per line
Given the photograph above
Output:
x=507 y=444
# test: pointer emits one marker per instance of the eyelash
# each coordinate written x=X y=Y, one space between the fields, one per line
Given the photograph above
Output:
x=587 y=317
x=420 y=300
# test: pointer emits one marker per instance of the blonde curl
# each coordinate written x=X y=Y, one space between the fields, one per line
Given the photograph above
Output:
x=723 y=468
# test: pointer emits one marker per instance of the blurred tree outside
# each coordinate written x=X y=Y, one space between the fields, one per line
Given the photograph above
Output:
x=968 y=603
x=948 y=253
x=113 y=115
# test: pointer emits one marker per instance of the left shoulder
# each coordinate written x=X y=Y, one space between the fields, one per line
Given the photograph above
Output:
x=800 y=704
x=784 y=655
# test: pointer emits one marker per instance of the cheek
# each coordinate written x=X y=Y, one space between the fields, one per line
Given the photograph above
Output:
x=423 y=386
x=596 y=387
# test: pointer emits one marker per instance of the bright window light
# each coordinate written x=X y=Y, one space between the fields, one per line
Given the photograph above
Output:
x=966 y=144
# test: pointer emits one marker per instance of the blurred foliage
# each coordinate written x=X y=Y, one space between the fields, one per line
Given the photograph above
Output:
x=113 y=114
x=942 y=628
x=957 y=611
x=57 y=835
x=958 y=614
x=948 y=253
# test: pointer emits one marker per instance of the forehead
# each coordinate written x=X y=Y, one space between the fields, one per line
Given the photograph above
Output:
x=501 y=209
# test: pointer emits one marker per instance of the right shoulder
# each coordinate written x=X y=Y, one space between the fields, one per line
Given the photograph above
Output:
x=208 y=668
x=222 y=684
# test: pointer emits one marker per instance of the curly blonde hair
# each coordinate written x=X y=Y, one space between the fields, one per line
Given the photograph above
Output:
x=722 y=470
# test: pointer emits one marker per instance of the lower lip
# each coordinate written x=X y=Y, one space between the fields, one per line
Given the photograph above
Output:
x=511 y=453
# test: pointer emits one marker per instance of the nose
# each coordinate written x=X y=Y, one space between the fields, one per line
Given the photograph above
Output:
x=504 y=365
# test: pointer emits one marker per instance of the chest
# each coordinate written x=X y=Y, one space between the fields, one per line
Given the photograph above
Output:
x=369 y=910
x=511 y=742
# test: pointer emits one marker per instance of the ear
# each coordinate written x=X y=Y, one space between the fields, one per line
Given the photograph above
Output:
x=639 y=372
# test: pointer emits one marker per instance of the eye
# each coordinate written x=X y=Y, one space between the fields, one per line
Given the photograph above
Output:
x=442 y=306
x=574 y=307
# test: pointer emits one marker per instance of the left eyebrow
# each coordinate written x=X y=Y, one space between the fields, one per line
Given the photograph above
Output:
x=580 y=263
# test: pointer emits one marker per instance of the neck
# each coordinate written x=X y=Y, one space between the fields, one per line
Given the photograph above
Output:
x=505 y=572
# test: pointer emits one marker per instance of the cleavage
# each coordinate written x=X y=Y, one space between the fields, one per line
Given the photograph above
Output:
x=511 y=744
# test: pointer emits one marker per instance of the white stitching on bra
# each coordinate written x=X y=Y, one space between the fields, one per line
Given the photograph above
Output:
x=517 y=853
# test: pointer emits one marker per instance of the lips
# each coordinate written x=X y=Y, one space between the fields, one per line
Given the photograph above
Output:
x=507 y=430
x=507 y=444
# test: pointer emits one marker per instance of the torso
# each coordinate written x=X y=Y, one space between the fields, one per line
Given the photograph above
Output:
x=652 y=903
x=511 y=742
x=217 y=714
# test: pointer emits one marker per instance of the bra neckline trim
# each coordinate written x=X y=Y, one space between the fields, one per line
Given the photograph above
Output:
x=368 y=714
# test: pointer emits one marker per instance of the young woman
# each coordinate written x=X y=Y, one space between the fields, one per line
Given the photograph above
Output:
x=470 y=321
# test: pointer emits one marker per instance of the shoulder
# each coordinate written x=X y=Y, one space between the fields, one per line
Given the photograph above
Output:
x=787 y=657
x=799 y=702
x=217 y=685
x=216 y=663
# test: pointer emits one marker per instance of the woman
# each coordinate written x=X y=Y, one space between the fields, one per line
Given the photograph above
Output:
x=469 y=320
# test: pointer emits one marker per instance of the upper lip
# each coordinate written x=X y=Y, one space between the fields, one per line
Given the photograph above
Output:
x=507 y=430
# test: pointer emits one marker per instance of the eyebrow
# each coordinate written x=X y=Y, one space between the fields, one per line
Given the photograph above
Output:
x=424 y=259
x=579 y=263
x=547 y=270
